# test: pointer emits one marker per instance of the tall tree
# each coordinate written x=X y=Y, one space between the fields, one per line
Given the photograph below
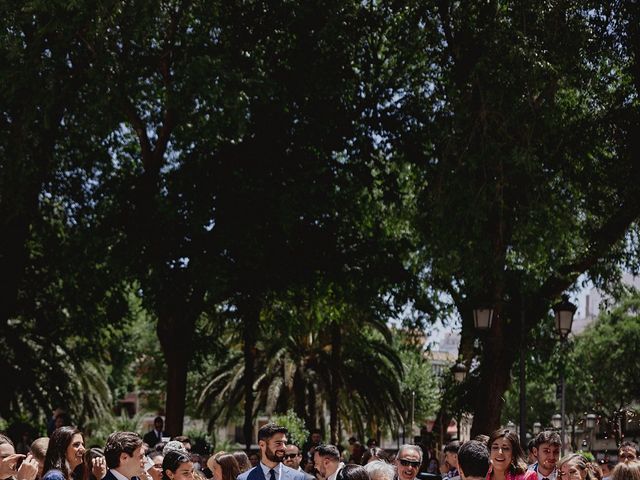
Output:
x=527 y=145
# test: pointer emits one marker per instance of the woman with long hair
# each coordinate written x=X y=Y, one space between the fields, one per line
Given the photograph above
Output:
x=65 y=455
x=177 y=465
x=575 y=467
x=507 y=457
x=224 y=466
x=243 y=461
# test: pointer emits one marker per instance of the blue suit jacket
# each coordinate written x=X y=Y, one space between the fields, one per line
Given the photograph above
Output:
x=256 y=473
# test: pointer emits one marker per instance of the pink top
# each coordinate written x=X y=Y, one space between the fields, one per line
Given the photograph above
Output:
x=528 y=475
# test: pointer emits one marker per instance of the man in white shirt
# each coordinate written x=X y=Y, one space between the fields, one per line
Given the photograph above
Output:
x=124 y=455
x=546 y=448
x=327 y=461
x=272 y=440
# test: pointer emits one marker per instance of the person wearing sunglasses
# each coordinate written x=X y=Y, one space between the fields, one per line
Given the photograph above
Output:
x=408 y=461
x=292 y=459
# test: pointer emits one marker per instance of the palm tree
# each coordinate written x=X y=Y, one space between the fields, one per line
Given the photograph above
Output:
x=346 y=362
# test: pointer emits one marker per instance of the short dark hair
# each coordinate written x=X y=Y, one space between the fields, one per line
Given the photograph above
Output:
x=119 y=443
x=352 y=472
x=547 y=436
x=452 y=447
x=269 y=430
x=330 y=451
x=631 y=444
x=158 y=419
x=473 y=459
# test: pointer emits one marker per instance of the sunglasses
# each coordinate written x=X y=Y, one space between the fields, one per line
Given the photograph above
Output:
x=289 y=456
x=408 y=463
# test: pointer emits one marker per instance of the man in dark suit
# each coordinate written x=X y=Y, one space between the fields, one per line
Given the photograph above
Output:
x=155 y=436
x=272 y=440
x=124 y=455
x=292 y=459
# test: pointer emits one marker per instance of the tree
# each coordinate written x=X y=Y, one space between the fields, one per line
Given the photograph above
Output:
x=294 y=369
x=604 y=347
x=509 y=121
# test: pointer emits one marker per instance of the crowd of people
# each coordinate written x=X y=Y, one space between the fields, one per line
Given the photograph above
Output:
x=128 y=456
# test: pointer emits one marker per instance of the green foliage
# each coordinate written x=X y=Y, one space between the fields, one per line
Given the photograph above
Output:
x=604 y=347
x=97 y=430
x=298 y=434
x=419 y=385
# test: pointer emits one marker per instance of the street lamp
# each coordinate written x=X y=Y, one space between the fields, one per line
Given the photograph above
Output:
x=590 y=421
x=537 y=428
x=590 y=425
x=556 y=421
x=459 y=372
x=483 y=318
x=564 y=312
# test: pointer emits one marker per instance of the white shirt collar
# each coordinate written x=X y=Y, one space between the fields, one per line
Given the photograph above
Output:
x=335 y=474
x=118 y=475
x=266 y=470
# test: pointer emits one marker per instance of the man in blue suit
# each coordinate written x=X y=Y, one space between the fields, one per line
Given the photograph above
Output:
x=272 y=440
x=124 y=455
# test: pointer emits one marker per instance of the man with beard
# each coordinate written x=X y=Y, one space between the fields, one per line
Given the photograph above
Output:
x=327 y=461
x=272 y=440
x=292 y=459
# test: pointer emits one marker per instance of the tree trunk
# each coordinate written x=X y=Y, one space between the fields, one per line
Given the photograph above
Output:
x=336 y=354
x=495 y=378
x=312 y=415
x=299 y=396
x=175 y=334
x=250 y=311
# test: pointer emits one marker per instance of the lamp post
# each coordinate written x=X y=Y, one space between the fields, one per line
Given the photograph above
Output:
x=590 y=425
x=564 y=312
x=459 y=371
x=482 y=320
x=537 y=428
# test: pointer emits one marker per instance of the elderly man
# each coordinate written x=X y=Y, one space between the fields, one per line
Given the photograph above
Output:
x=272 y=440
x=408 y=461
